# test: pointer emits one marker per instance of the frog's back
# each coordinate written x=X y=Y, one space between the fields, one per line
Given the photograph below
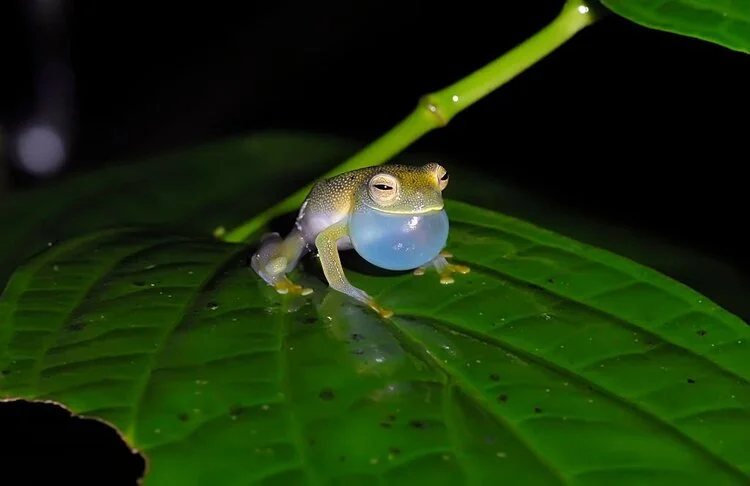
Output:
x=329 y=202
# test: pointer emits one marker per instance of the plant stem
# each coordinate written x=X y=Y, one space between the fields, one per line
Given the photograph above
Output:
x=435 y=110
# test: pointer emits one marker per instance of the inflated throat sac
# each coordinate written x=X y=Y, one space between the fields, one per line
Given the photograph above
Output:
x=398 y=241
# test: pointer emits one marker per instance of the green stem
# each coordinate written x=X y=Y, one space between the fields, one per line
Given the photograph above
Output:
x=436 y=109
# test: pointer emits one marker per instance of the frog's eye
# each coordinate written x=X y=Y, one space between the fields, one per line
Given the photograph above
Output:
x=442 y=176
x=383 y=188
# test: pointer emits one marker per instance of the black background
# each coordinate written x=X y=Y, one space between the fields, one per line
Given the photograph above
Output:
x=645 y=129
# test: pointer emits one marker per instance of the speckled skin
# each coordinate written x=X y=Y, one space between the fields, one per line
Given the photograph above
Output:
x=332 y=200
x=322 y=223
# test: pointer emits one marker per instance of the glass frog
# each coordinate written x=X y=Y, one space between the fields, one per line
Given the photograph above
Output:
x=391 y=215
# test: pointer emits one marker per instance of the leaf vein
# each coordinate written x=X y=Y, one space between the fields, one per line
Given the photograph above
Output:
x=573 y=376
x=142 y=385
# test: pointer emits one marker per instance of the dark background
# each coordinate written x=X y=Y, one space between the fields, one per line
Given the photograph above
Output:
x=641 y=128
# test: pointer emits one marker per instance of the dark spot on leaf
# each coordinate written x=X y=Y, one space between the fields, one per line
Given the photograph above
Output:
x=359 y=351
x=550 y=280
x=76 y=326
x=418 y=424
x=326 y=394
x=392 y=418
x=139 y=283
x=494 y=377
x=701 y=332
x=690 y=380
x=385 y=425
x=310 y=320
x=502 y=398
x=212 y=305
x=4 y=372
x=311 y=441
x=395 y=451
x=183 y=417
x=236 y=410
x=537 y=410
x=342 y=458
x=357 y=337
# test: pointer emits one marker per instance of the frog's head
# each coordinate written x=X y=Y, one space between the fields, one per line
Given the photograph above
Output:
x=403 y=189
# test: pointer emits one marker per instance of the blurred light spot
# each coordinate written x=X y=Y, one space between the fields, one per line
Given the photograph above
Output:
x=583 y=9
x=40 y=150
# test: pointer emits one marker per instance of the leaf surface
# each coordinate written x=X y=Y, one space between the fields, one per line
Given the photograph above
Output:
x=552 y=362
x=723 y=22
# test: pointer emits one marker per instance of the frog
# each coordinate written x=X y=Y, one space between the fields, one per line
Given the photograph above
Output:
x=392 y=215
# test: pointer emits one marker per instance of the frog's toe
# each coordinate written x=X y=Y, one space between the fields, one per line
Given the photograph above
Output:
x=285 y=286
x=444 y=268
x=382 y=311
x=462 y=269
x=448 y=269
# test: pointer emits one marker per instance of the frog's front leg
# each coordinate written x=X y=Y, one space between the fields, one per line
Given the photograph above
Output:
x=276 y=257
x=444 y=268
x=326 y=241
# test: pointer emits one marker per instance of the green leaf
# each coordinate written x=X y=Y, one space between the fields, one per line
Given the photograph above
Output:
x=194 y=189
x=552 y=362
x=723 y=22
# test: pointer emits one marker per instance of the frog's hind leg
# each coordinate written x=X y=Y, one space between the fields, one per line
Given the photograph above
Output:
x=444 y=268
x=276 y=257
x=326 y=242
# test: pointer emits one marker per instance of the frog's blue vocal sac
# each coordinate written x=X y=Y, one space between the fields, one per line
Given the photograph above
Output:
x=391 y=215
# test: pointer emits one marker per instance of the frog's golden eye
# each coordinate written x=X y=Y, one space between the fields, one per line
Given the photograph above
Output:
x=442 y=176
x=384 y=188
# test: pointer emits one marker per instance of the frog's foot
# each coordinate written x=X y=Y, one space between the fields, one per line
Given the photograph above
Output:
x=276 y=258
x=285 y=286
x=382 y=311
x=364 y=297
x=444 y=268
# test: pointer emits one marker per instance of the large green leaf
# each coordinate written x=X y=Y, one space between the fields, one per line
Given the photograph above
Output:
x=551 y=363
x=723 y=22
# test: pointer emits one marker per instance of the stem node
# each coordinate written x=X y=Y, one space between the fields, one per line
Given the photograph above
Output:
x=431 y=104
